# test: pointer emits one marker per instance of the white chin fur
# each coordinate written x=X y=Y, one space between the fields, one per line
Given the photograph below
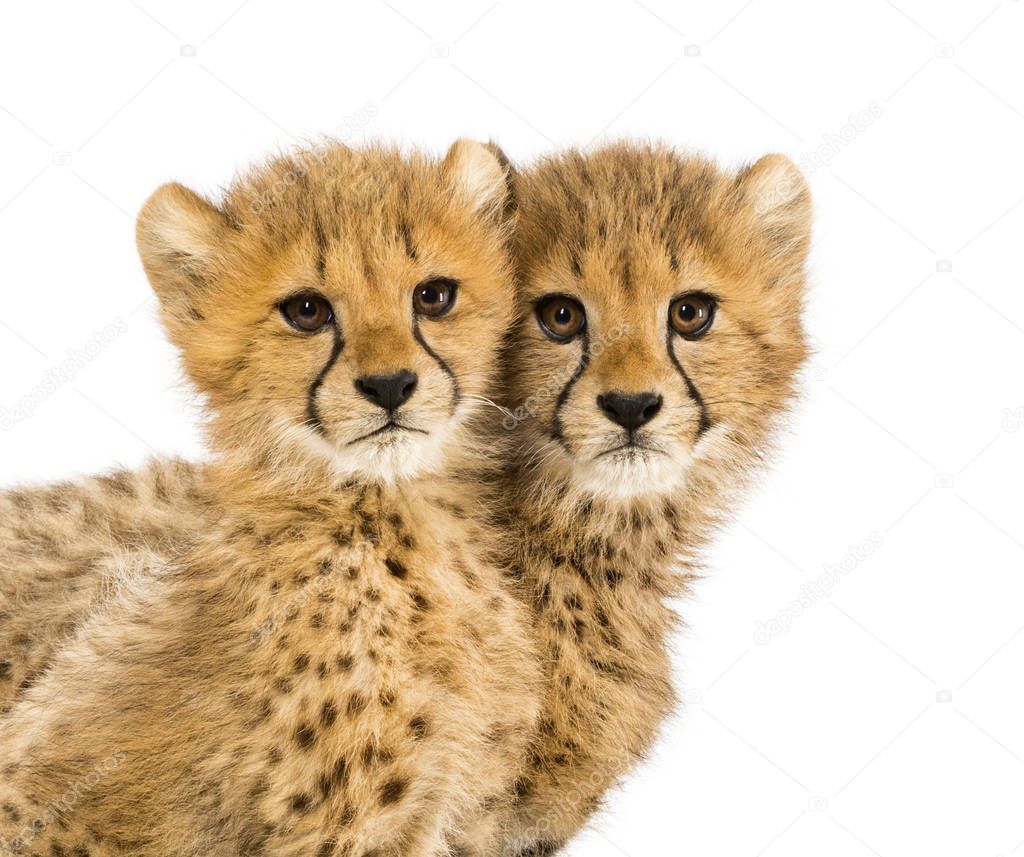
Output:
x=632 y=473
x=388 y=458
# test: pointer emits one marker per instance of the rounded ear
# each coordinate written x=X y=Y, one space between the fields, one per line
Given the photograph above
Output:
x=478 y=173
x=511 y=176
x=775 y=190
x=775 y=204
x=180 y=236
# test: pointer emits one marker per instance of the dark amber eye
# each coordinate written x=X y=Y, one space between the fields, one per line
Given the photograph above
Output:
x=307 y=312
x=691 y=315
x=561 y=317
x=434 y=298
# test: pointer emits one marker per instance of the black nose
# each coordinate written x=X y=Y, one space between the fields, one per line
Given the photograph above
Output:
x=388 y=391
x=630 y=410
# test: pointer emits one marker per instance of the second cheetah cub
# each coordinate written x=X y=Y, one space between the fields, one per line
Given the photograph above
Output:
x=332 y=667
x=660 y=336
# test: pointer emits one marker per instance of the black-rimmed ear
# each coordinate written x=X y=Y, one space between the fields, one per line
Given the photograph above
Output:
x=478 y=174
x=776 y=201
x=180 y=237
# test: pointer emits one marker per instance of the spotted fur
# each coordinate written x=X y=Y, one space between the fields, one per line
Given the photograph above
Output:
x=297 y=670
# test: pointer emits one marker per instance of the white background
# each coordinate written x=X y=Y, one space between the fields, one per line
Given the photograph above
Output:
x=889 y=718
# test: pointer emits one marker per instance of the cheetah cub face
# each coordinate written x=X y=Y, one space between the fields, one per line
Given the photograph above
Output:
x=339 y=304
x=663 y=296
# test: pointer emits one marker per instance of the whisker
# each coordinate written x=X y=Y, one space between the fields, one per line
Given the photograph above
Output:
x=474 y=397
x=740 y=402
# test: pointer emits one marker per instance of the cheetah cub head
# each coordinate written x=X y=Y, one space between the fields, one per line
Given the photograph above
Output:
x=660 y=326
x=339 y=305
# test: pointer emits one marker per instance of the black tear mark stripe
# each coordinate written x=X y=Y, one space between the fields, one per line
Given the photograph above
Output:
x=456 y=389
x=704 y=422
x=312 y=412
x=563 y=395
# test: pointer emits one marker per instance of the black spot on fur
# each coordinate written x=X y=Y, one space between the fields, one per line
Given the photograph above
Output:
x=301 y=803
x=522 y=787
x=396 y=568
x=356 y=703
x=328 y=713
x=301 y=663
x=330 y=780
x=305 y=735
x=373 y=753
x=419 y=727
x=392 y=791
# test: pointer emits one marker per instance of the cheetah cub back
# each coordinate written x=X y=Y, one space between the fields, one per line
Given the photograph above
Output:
x=332 y=666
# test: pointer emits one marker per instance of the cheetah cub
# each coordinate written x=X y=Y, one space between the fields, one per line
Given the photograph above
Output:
x=331 y=665
x=659 y=342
